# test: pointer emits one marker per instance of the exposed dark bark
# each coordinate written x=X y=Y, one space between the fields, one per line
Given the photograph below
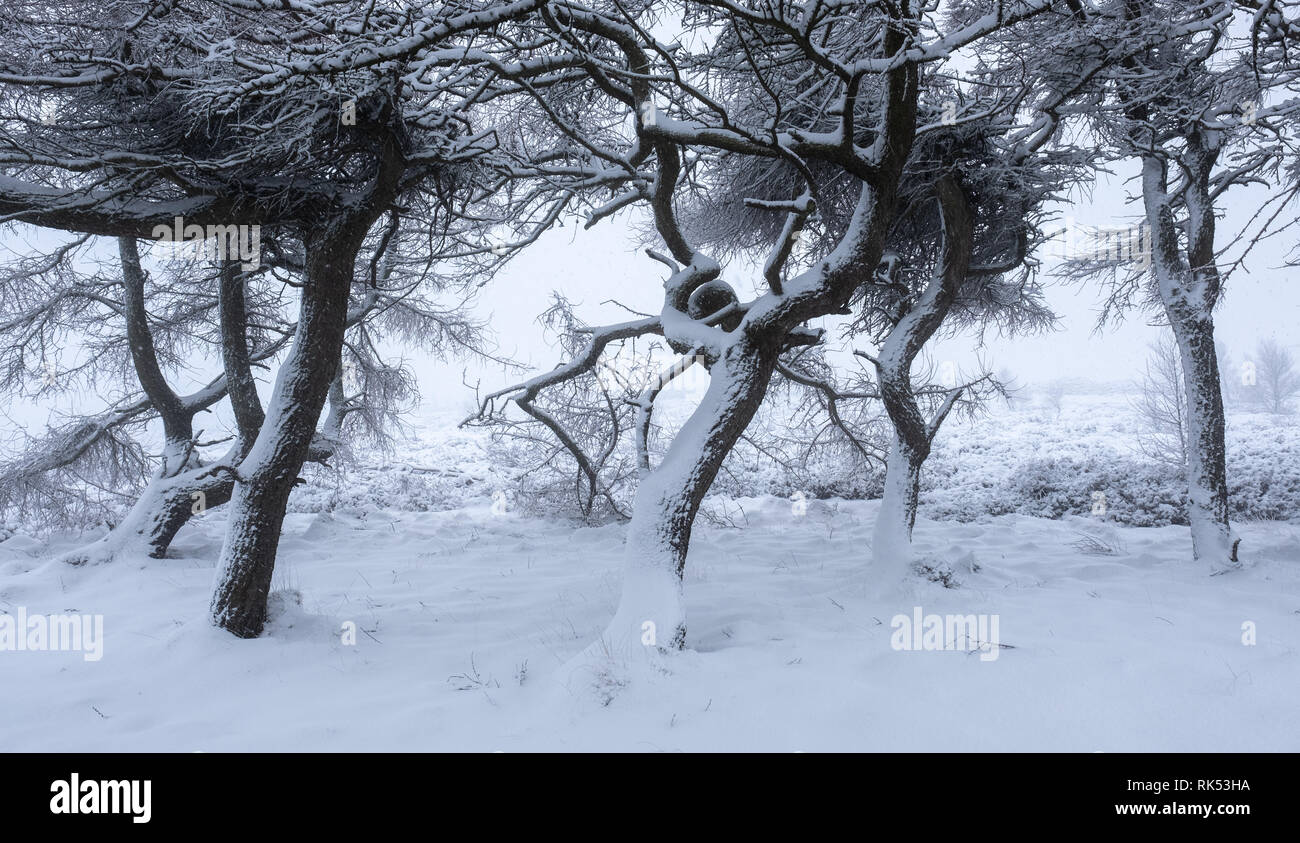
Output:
x=240 y=385
x=206 y=489
x=283 y=444
x=917 y=322
x=1190 y=287
x=182 y=500
x=181 y=488
x=1207 y=452
x=177 y=418
x=748 y=368
x=285 y=439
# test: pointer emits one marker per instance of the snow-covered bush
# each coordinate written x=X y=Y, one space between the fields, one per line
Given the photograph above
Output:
x=400 y=488
x=1123 y=490
x=1058 y=472
x=437 y=467
x=1264 y=471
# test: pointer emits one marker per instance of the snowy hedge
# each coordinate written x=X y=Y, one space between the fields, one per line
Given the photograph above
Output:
x=1019 y=462
x=1031 y=464
x=1263 y=481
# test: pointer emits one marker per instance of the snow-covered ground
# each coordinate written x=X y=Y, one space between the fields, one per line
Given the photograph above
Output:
x=465 y=615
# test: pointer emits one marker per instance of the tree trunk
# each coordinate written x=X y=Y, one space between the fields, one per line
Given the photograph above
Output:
x=651 y=612
x=269 y=473
x=235 y=355
x=1190 y=287
x=891 y=547
x=891 y=544
x=176 y=417
x=1207 y=473
x=181 y=488
x=164 y=506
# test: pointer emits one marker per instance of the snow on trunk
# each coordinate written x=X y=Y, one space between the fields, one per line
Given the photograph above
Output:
x=270 y=471
x=651 y=615
x=181 y=488
x=164 y=506
x=913 y=435
x=891 y=543
x=1189 y=287
x=1213 y=540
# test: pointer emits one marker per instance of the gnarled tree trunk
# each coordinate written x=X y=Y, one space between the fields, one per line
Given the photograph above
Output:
x=269 y=473
x=1213 y=539
x=181 y=488
x=651 y=611
x=892 y=536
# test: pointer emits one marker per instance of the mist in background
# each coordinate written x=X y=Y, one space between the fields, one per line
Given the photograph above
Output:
x=606 y=274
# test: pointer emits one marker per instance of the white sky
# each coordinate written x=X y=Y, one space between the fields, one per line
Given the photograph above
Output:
x=1262 y=300
x=603 y=263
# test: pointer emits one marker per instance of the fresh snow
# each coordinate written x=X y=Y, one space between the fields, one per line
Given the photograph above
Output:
x=466 y=616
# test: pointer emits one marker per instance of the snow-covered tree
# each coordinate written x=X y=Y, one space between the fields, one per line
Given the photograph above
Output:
x=1202 y=103
x=855 y=113
x=1162 y=407
x=312 y=121
x=1277 y=381
x=139 y=320
x=959 y=252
